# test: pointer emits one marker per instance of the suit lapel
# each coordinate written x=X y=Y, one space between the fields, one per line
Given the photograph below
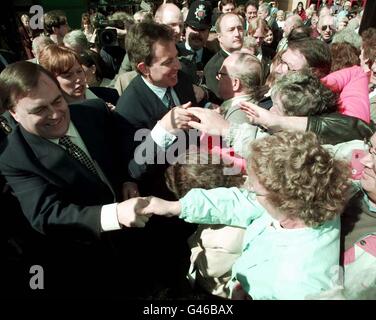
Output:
x=184 y=89
x=56 y=160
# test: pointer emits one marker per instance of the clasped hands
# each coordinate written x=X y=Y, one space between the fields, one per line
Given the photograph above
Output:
x=135 y=212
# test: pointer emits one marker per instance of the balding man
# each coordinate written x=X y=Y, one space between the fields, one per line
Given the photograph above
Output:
x=239 y=80
x=170 y=15
x=291 y=23
x=230 y=32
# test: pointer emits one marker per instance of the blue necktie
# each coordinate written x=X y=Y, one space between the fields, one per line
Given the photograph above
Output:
x=170 y=101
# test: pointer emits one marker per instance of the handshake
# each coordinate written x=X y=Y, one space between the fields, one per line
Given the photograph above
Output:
x=135 y=212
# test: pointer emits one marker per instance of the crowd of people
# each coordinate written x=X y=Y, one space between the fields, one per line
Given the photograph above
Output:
x=251 y=128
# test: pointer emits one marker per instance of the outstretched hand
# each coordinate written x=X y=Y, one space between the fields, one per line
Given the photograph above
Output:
x=209 y=121
x=161 y=207
x=260 y=116
x=177 y=118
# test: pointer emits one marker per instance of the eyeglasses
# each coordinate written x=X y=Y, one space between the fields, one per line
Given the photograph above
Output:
x=220 y=74
x=327 y=27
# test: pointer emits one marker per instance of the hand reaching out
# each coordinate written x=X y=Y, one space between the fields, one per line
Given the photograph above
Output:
x=161 y=207
x=177 y=118
x=211 y=122
x=260 y=116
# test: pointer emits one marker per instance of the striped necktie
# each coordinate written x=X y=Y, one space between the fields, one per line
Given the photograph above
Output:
x=77 y=153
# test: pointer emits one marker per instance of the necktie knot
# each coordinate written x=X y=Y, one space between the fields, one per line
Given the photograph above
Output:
x=77 y=153
x=66 y=142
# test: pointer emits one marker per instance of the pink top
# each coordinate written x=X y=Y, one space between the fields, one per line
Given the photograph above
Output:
x=352 y=86
x=212 y=144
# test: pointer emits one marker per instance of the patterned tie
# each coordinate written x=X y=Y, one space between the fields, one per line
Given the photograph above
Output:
x=170 y=101
x=77 y=153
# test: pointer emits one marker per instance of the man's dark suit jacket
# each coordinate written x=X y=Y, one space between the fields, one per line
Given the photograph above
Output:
x=206 y=55
x=141 y=108
x=211 y=69
x=55 y=190
x=62 y=200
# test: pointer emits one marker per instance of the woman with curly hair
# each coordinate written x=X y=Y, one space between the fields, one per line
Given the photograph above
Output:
x=291 y=211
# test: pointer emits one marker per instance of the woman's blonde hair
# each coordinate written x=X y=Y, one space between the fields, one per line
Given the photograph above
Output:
x=302 y=178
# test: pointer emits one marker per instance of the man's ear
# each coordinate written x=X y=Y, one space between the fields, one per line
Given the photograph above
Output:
x=14 y=114
x=236 y=85
x=143 y=68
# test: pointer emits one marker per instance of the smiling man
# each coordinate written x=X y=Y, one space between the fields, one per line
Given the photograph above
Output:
x=63 y=166
x=159 y=89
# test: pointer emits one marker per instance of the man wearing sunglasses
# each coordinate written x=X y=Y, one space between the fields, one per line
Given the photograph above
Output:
x=326 y=28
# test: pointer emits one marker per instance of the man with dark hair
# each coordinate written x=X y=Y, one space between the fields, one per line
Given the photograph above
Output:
x=152 y=53
x=170 y=15
x=55 y=25
x=63 y=166
x=307 y=52
x=160 y=90
x=251 y=9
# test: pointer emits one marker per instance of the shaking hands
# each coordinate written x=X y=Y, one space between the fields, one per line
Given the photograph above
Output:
x=136 y=212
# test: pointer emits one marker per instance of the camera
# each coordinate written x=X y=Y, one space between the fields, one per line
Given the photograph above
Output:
x=107 y=37
x=106 y=34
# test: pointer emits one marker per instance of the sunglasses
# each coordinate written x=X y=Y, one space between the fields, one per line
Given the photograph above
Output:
x=325 y=27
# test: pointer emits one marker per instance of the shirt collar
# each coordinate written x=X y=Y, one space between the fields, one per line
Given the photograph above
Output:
x=159 y=91
x=71 y=133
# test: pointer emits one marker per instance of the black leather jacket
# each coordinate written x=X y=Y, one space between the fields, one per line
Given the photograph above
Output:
x=333 y=128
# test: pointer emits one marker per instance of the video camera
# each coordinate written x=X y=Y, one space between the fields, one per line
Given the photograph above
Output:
x=106 y=32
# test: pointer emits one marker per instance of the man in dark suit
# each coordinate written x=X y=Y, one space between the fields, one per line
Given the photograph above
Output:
x=230 y=30
x=159 y=90
x=61 y=163
x=159 y=85
x=170 y=15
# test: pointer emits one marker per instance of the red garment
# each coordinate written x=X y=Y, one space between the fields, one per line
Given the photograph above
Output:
x=303 y=15
x=212 y=145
